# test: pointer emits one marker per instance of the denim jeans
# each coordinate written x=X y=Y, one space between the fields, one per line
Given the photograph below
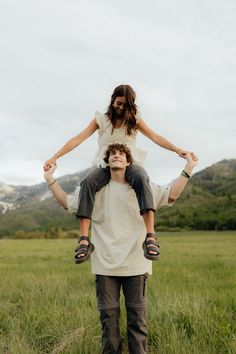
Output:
x=108 y=298
x=135 y=175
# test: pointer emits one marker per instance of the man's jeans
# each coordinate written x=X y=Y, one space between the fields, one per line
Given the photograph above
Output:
x=108 y=298
x=135 y=175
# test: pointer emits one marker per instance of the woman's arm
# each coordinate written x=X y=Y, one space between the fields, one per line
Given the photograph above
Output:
x=158 y=139
x=73 y=143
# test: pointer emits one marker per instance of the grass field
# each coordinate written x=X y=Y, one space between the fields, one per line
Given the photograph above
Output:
x=48 y=304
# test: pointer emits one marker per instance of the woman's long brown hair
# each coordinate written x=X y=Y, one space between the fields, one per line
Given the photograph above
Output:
x=130 y=109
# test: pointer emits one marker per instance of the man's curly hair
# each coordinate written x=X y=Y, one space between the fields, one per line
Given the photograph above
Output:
x=112 y=148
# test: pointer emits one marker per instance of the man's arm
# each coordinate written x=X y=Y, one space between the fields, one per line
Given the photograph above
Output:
x=179 y=184
x=56 y=190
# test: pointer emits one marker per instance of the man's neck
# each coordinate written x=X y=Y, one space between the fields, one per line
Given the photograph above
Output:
x=118 y=176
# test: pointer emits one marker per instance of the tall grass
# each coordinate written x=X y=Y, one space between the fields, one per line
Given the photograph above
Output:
x=48 y=304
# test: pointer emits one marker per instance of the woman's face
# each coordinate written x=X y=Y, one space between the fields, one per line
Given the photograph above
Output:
x=120 y=105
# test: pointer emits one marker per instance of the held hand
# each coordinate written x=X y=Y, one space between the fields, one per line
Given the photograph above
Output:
x=192 y=161
x=48 y=174
x=182 y=153
x=48 y=163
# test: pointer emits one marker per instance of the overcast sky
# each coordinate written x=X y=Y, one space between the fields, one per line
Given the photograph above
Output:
x=61 y=59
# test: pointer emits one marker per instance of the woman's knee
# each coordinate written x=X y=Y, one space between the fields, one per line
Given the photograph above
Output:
x=98 y=177
x=137 y=174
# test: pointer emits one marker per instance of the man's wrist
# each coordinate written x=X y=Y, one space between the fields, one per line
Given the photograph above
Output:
x=185 y=174
x=188 y=169
x=50 y=180
x=50 y=184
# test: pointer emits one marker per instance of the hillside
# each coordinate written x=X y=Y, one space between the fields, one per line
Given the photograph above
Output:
x=30 y=208
x=208 y=203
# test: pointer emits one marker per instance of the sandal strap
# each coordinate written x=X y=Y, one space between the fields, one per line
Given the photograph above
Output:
x=152 y=242
x=152 y=245
x=151 y=234
x=82 y=249
x=83 y=238
x=79 y=247
x=154 y=249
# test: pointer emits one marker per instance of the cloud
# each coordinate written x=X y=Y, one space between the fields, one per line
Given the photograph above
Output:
x=60 y=62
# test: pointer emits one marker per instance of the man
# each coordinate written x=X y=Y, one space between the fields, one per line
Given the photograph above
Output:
x=117 y=233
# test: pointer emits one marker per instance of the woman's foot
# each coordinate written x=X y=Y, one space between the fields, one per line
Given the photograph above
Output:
x=84 y=250
x=151 y=247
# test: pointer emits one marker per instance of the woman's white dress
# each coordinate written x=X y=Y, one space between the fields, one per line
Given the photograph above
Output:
x=106 y=137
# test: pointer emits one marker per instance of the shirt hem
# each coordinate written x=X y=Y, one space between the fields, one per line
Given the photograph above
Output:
x=122 y=274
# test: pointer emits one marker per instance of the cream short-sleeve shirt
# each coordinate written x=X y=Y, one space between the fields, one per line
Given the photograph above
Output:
x=118 y=229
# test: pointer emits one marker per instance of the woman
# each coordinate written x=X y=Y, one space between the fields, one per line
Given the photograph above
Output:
x=120 y=123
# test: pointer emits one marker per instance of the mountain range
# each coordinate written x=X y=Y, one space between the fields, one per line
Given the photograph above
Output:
x=208 y=203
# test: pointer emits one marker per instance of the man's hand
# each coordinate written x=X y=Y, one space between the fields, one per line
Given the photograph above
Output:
x=48 y=174
x=48 y=163
x=192 y=161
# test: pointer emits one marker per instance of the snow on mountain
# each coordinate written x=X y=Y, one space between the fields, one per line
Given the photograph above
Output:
x=7 y=206
x=5 y=189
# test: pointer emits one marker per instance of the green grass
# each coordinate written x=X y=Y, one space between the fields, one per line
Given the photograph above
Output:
x=48 y=304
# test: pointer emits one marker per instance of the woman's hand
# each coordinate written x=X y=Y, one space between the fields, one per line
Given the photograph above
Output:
x=48 y=163
x=182 y=153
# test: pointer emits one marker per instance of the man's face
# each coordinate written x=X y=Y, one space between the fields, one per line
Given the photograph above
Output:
x=120 y=105
x=117 y=160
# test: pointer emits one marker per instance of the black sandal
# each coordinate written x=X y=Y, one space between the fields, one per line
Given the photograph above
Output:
x=87 y=250
x=154 y=246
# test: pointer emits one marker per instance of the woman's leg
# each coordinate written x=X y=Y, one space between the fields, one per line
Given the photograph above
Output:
x=92 y=183
x=148 y=218
x=138 y=178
